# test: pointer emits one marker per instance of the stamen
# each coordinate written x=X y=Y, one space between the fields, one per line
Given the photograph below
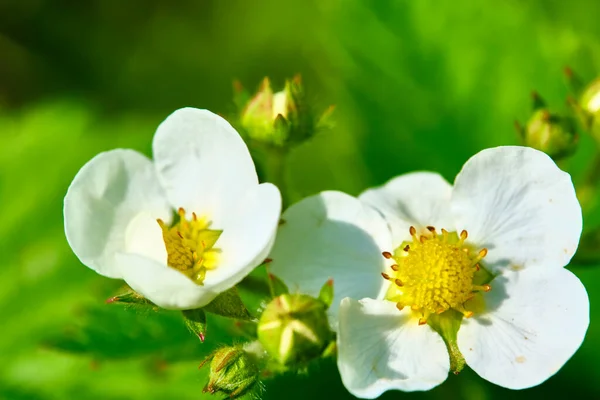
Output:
x=423 y=319
x=385 y=276
x=395 y=267
x=461 y=309
x=432 y=230
x=406 y=248
x=399 y=282
x=399 y=306
x=387 y=254
x=413 y=232
x=482 y=288
x=482 y=253
x=463 y=236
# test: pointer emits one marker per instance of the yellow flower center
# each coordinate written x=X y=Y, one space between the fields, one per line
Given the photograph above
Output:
x=189 y=245
x=434 y=273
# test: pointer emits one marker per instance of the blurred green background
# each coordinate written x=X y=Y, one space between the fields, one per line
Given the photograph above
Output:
x=418 y=85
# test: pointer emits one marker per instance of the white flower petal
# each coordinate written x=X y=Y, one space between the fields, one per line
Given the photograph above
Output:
x=164 y=286
x=144 y=237
x=532 y=325
x=418 y=199
x=248 y=235
x=107 y=192
x=381 y=348
x=518 y=204
x=202 y=162
x=331 y=235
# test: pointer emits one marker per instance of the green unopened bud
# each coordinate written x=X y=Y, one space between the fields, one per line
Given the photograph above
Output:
x=553 y=134
x=234 y=371
x=590 y=99
x=588 y=108
x=294 y=329
x=280 y=118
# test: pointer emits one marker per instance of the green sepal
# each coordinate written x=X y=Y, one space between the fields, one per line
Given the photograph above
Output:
x=195 y=321
x=276 y=286
x=326 y=293
x=447 y=325
x=229 y=304
x=209 y=237
x=246 y=328
x=574 y=81
x=330 y=350
x=130 y=297
x=281 y=130
x=537 y=103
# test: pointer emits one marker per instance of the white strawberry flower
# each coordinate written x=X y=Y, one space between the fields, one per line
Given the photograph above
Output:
x=482 y=262
x=120 y=215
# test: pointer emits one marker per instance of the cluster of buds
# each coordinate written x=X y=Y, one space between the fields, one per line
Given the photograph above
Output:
x=292 y=331
x=549 y=132
x=279 y=119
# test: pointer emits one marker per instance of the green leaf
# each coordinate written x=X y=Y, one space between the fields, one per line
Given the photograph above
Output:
x=229 y=304
x=115 y=333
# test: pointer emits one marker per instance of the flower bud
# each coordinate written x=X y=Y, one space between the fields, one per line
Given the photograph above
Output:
x=294 y=329
x=280 y=118
x=589 y=105
x=233 y=372
x=553 y=134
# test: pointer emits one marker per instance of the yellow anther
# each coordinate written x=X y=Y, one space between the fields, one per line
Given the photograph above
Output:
x=432 y=230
